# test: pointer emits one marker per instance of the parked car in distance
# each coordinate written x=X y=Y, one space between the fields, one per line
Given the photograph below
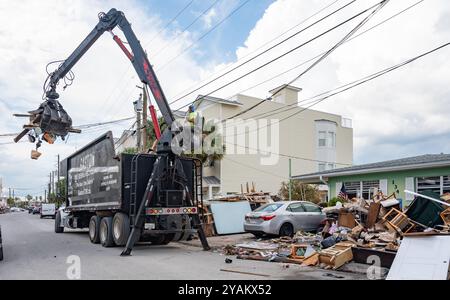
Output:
x=15 y=209
x=36 y=210
x=48 y=210
x=30 y=209
x=284 y=218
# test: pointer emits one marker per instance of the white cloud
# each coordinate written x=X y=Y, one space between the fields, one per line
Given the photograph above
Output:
x=34 y=33
x=209 y=17
x=394 y=115
x=400 y=114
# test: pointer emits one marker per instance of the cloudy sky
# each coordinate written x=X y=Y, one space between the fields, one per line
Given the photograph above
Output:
x=400 y=114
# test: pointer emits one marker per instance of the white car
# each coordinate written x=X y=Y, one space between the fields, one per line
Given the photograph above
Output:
x=48 y=210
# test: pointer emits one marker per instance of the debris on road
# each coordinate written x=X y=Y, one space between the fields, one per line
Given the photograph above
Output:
x=244 y=273
x=356 y=231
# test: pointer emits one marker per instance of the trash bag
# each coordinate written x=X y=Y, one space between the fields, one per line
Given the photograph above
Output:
x=329 y=242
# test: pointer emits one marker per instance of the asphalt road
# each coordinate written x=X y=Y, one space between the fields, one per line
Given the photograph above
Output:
x=33 y=251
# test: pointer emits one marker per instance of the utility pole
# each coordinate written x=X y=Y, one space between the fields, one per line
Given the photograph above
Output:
x=49 y=187
x=290 y=179
x=138 y=110
x=9 y=193
x=58 y=192
x=144 y=117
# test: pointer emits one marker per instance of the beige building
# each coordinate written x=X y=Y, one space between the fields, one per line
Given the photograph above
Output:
x=271 y=132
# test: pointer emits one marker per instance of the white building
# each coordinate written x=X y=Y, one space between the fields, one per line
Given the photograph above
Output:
x=313 y=140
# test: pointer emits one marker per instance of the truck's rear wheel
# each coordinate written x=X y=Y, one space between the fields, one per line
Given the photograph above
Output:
x=94 y=229
x=121 y=229
x=58 y=228
x=106 y=232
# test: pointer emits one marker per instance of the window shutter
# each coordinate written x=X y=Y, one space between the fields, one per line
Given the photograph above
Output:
x=409 y=185
x=338 y=188
x=384 y=186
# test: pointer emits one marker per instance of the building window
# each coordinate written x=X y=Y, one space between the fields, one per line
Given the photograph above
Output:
x=370 y=188
x=326 y=166
x=353 y=189
x=322 y=167
x=322 y=138
x=327 y=139
x=362 y=189
x=331 y=139
x=445 y=184
x=429 y=184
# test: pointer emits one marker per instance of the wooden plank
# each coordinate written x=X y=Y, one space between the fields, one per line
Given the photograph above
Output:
x=245 y=273
x=372 y=217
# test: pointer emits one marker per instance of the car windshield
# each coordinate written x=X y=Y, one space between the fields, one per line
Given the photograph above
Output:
x=269 y=207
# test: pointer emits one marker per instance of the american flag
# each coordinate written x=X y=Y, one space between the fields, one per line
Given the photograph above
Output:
x=343 y=193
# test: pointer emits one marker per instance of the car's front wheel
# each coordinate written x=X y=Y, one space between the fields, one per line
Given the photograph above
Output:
x=287 y=230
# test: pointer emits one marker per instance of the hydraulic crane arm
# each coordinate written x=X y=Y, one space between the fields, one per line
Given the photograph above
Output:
x=137 y=56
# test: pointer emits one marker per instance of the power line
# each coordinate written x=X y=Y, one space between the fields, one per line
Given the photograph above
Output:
x=186 y=28
x=343 y=40
x=267 y=50
x=286 y=53
x=121 y=143
x=108 y=99
x=260 y=47
x=256 y=169
x=286 y=155
x=359 y=82
x=204 y=35
x=311 y=59
x=104 y=123
x=85 y=126
x=172 y=20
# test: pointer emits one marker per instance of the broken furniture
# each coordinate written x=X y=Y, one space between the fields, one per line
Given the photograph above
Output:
x=372 y=217
x=346 y=219
x=336 y=256
x=397 y=221
x=445 y=215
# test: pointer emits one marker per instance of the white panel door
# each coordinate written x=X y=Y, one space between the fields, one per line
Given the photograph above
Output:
x=422 y=258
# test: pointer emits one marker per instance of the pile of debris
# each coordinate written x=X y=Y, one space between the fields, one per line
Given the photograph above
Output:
x=355 y=231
